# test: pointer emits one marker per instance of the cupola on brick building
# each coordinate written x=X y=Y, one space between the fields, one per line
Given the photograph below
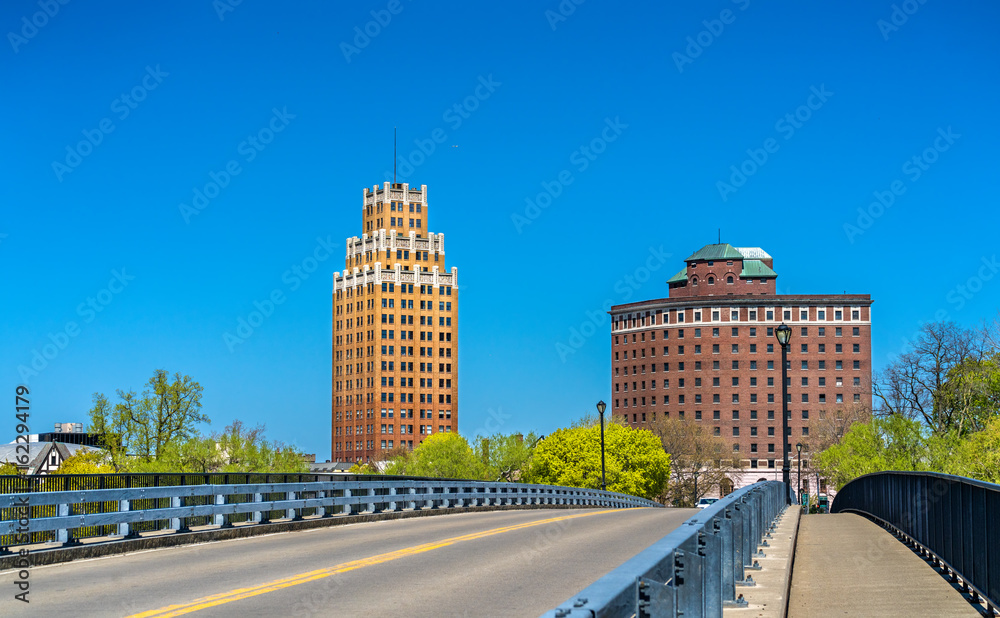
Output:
x=707 y=354
x=395 y=330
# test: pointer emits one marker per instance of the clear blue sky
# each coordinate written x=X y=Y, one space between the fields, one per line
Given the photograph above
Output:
x=171 y=93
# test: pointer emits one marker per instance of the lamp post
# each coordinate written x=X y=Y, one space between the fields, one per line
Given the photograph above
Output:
x=784 y=334
x=695 y=488
x=600 y=410
x=798 y=449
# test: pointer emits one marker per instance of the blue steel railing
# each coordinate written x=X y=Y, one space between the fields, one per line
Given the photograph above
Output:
x=24 y=515
x=694 y=570
x=952 y=520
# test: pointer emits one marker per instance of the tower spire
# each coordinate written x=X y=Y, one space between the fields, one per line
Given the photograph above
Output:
x=394 y=155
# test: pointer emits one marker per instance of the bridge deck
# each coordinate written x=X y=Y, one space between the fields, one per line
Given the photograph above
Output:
x=846 y=565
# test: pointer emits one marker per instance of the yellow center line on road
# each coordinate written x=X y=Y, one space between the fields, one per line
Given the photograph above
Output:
x=302 y=578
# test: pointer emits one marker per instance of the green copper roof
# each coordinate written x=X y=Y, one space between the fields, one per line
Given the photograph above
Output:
x=725 y=251
x=679 y=277
x=755 y=269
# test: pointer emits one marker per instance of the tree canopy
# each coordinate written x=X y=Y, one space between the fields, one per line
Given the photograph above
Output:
x=157 y=430
x=937 y=408
x=442 y=455
x=635 y=461
x=145 y=425
x=692 y=450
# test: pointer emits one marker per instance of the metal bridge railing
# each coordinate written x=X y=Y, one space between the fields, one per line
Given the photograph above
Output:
x=952 y=520
x=66 y=515
x=694 y=570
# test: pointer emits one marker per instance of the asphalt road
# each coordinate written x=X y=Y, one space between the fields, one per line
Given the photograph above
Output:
x=504 y=563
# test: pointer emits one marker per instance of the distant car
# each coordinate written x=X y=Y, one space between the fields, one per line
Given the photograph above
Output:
x=704 y=503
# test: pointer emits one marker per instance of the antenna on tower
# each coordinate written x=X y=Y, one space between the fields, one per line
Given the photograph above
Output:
x=720 y=235
x=394 y=155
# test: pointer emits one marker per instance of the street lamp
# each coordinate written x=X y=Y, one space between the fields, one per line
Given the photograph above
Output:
x=600 y=410
x=784 y=334
x=695 y=488
x=798 y=448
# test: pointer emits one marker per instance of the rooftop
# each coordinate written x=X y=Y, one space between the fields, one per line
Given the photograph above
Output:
x=724 y=251
x=754 y=253
x=755 y=269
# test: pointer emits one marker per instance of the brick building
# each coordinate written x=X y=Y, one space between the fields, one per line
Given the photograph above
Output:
x=707 y=354
x=395 y=330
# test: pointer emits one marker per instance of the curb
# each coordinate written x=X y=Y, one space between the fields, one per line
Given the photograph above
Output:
x=791 y=561
x=124 y=546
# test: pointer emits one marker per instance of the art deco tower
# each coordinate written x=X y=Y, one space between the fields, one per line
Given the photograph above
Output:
x=395 y=330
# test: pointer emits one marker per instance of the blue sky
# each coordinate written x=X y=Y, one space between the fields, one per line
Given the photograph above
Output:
x=589 y=142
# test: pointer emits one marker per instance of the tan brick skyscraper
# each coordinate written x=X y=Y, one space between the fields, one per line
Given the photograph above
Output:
x=395 y=330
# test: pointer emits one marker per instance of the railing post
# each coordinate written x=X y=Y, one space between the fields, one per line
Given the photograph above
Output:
x=65 y=535
x=123 y=528
x=261 y=516
x=347 y=504
x=292 y=513
x=413 y=501
x=321 y=510
x=392 y=501
x=371 y=500
x=178 y=524
x=220 y=518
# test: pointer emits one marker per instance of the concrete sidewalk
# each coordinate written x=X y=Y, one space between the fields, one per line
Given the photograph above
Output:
x=769 y=597
x=845 y=565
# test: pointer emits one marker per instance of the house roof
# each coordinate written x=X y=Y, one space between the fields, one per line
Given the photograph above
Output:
x=724 y=251
x=37 y=451
x=756 y=269
x=754 y=253
x=335 y=466
x=679 y=277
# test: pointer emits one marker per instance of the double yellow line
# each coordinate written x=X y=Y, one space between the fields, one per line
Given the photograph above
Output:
x=303 y=578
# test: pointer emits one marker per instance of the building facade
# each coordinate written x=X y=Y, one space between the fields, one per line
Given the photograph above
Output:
x=707 y=354
x=395 y=330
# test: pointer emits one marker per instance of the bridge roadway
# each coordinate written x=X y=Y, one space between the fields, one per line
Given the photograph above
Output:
x=510 y=563
x=845 y=565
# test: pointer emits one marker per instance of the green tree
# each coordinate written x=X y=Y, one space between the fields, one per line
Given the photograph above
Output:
x=971 y=393
x=978 y=455
x=245 y=449
x=635 y=461
x=141 y=428
x=505 y=457
x=86 y=461
x=442 y=455
x=238 y=448
x=915 y=385
x=692 y=450
x=890 y=443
